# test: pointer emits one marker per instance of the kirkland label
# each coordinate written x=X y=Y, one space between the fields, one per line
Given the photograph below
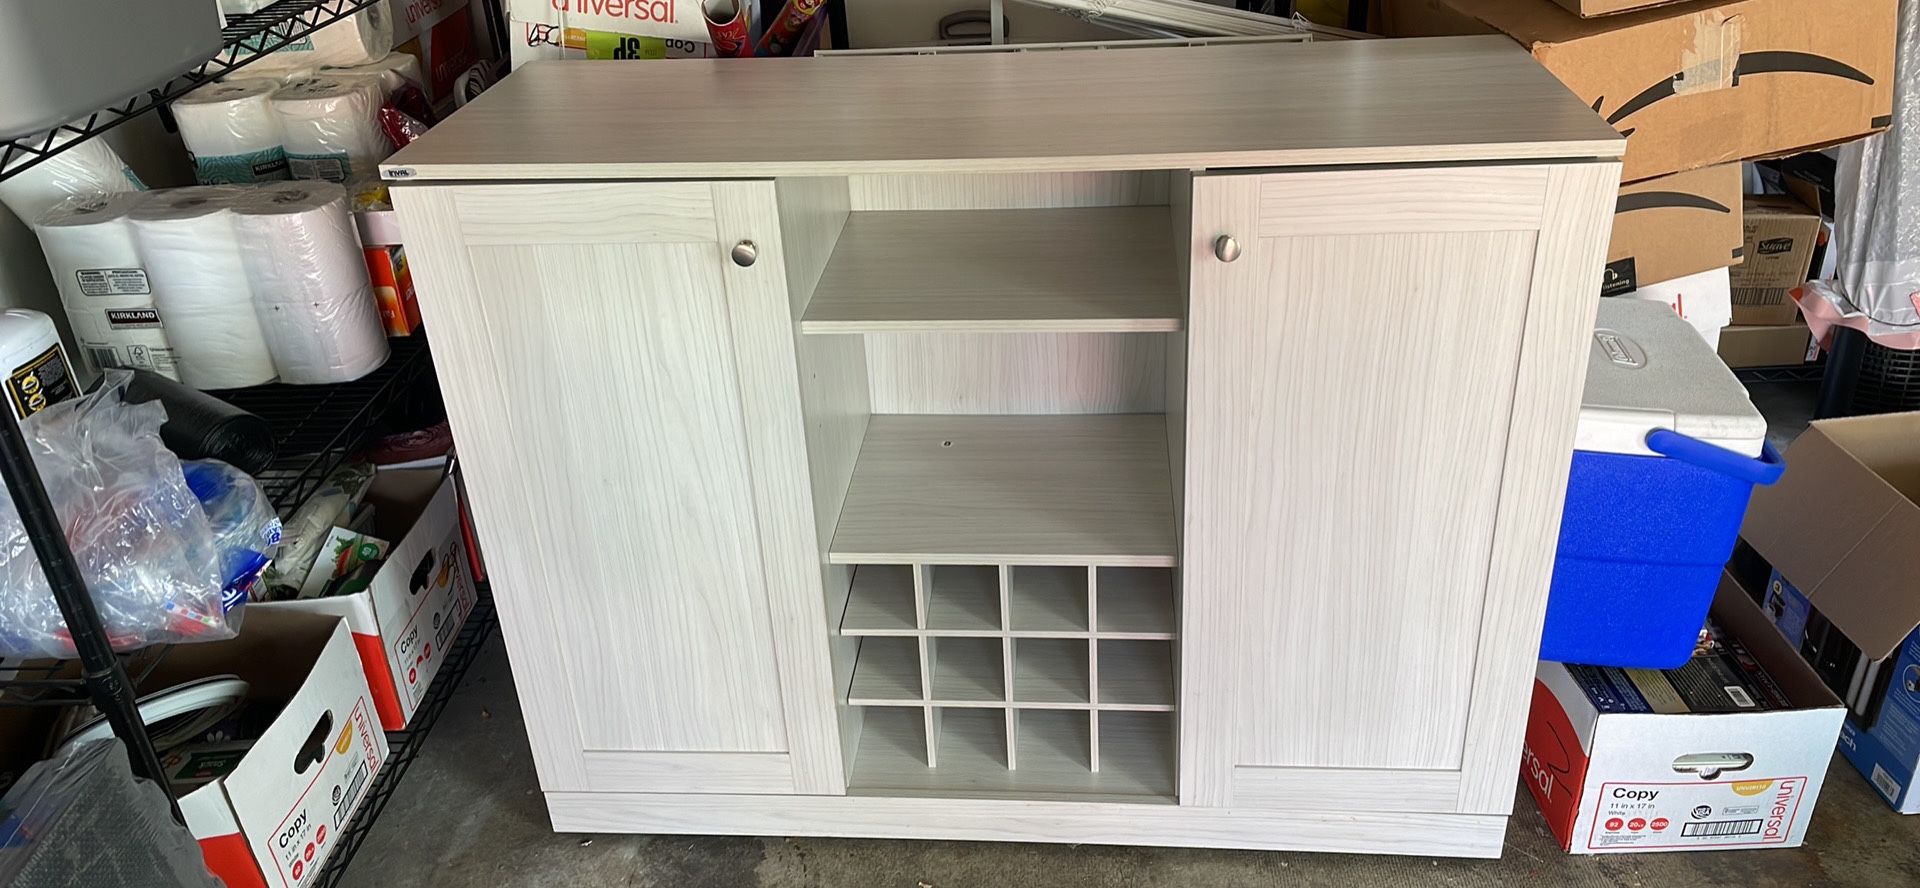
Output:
x=40 y=383
x=133 y=318
x=334 y=167
x=233 y=169
x=1696 y=814
x=113 y=281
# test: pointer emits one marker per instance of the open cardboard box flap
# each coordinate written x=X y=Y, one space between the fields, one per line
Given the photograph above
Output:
x=1842 y=525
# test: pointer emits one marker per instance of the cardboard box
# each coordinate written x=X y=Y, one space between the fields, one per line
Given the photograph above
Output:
x=606 y=29
x=387 y=267
x=1423 y=18
x=1674 y=226
x=1626 y=782
x=276 y=816
x=1591 y=8
x=1780 y=234
x=440 y=33
x=1699 y=84
x=1844 y=585
x=1785 y=345
x=404 y=623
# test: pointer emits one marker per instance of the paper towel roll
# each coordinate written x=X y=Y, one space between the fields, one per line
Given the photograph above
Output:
x=309 y=281
x=396 y=70
x=87 y=169
x=366 y=36
x=103 y=283
x=329 y=127
x=231 y=132
x=194 y=258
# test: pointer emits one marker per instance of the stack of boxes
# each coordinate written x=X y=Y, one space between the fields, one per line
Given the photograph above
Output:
x=1697 y=88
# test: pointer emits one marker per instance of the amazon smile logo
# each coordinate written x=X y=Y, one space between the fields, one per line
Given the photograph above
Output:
x=1750 y=64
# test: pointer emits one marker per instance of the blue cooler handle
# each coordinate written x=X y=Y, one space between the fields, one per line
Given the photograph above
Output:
x=1765 y=470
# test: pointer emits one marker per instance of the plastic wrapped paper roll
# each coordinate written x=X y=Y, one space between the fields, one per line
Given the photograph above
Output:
x=194 y=258
x=396 y=70
x=329 y=126
x=231 y=132
x=103 y=283
x=366 y=36
x=88 y=169
x=309 y=281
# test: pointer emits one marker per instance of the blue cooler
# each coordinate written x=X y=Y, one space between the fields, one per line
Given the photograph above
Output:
x=1668 y=451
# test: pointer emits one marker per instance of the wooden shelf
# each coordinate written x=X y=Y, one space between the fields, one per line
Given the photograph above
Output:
x=1077 y=270
x=1136 y=675
x=1051 y=672
x=967 y=670
x=1135 y=602
x=1053 y=758
x=886 y=672
x=880 y=602
x=1046 y=600
x=1020 y=490
x=963 y=599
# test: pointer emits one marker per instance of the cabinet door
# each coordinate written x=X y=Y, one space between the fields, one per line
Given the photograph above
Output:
x=615 y=386
x=1381 y=394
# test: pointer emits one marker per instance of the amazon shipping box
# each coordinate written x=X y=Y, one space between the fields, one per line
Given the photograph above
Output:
x=1674 y=226
x=1704 y=83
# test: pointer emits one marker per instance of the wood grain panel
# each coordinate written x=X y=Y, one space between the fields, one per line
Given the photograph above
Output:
x=761 y=319
x=1284 y=420
x=1438 y=100
x=580 y=213
x=1346 y=789
x=1095 y=269
x=1016 y=373
x=1060 y=490
x=496 y=486
x=998 y=820
x=1546 y=407
x=1007 y=191
x=833 y=401
x=1496 y=198
x=688 y=565
x=743 y=772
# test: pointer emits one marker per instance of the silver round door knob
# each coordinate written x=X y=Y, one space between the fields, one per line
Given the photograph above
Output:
x=1226 y=248
x=744 y=253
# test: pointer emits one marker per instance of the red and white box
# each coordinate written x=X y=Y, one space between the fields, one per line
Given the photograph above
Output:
x=1628 y=782
x=405 y=622
x=274 y=819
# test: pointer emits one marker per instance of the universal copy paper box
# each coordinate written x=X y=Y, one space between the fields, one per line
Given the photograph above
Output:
x=404 y=623
x=1674 y=226
x=606 y=29
x=1842 y=531
x=1611 y=781
x=1705 y=83
x=275 y=818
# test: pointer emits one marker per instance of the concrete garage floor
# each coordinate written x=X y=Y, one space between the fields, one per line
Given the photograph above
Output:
x=469 y=813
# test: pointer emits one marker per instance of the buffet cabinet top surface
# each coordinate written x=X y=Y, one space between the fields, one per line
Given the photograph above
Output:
x=1437 y=100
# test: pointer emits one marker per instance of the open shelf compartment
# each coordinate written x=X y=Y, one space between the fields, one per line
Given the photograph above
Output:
x=1056 y=270
x=1012 y=490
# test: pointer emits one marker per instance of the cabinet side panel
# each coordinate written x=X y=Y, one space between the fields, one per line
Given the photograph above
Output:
x=464 y=361
x=1017 y=373
x=833 y=402
x=1546 y=409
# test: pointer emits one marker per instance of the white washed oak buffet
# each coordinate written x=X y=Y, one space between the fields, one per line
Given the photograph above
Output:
x=1147 y=446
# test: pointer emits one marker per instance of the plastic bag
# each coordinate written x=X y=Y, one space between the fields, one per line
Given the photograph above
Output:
x=82 y=819
x=245 y=527
x=142 y=541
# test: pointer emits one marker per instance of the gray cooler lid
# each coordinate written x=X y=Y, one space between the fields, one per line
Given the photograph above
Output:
x=1650 y=370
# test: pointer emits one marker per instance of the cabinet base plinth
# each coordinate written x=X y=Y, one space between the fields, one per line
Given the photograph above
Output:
x=992 y=820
